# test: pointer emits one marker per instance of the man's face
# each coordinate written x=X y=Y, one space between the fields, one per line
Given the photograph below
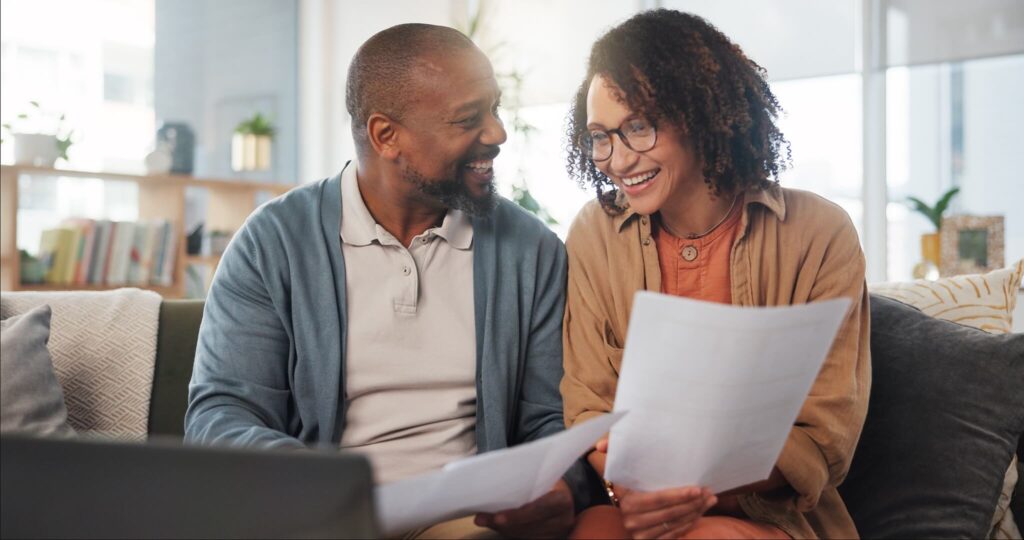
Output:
x=451 y=132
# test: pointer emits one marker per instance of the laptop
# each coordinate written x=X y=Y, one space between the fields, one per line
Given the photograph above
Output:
x=161 y=489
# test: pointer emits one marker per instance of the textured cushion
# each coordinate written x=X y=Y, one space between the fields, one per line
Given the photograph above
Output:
x=945 y=415
x=104 y=346
x=31 y=399
x=983 y=301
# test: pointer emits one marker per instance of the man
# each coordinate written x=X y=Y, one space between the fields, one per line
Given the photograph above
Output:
x=430 y=330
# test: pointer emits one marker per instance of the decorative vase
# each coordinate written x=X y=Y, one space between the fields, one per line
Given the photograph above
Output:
x=181 y=141
x=928 y=268
x=930 y=248
x=250 y=152
x=35 y=149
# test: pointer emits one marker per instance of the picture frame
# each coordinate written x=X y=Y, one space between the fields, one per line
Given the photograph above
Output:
x=971 y=244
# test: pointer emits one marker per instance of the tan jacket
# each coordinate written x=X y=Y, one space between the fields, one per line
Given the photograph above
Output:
x=793 y=247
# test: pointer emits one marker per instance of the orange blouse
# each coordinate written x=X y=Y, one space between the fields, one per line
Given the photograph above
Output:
x=698 y=268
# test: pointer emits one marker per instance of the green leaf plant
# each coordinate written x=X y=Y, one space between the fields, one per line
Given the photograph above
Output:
x=934 y=213
x=36 y=114
x=257 y=124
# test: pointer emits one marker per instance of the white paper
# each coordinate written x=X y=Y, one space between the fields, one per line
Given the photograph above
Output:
x=713 y=390
x=489 y=482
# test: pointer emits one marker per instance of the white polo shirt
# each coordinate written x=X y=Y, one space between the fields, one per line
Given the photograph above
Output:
x=410 y=372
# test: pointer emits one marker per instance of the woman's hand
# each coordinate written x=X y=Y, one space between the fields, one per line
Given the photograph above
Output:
x=668 y=513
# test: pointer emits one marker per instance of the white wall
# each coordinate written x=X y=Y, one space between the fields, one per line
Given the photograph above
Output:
x=789 y=38
x=946 y=30
x=330 y=33
x=993 y=182
x=217 y=63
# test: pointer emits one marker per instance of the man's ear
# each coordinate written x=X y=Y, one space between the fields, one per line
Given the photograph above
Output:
x=383 y=135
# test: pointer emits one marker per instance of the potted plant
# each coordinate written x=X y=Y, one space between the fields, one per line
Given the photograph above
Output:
x=40 y=137
x=251 y=144
x=928 y=268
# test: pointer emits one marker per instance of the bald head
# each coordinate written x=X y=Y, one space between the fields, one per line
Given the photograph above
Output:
x=385 y=69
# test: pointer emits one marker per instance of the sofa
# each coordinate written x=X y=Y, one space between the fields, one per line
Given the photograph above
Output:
x=178 y=326
x=175 y=351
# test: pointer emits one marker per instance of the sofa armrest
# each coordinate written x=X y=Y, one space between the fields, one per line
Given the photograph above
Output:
x=175 y=352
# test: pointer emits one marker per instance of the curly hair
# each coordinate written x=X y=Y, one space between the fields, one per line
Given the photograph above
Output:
x=677 y=68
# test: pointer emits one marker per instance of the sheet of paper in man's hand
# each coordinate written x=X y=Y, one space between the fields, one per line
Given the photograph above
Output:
x=712 y=389
x=490 y=482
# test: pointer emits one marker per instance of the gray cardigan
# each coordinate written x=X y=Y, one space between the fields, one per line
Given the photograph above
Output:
x=270 y=361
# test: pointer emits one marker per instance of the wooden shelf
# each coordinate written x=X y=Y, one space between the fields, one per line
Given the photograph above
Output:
x=203 y=259
x=43 y=287
x=165 y=179
x=230 y=202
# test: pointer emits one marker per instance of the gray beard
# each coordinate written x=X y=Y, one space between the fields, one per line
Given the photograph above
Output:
x=452 y=193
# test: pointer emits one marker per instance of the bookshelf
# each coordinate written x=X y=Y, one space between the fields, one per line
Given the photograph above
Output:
x=229 y=202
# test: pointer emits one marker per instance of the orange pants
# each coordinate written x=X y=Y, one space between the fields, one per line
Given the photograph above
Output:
x=600 y=522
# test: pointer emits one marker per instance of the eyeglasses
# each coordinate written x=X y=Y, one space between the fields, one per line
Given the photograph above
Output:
x=638 y=134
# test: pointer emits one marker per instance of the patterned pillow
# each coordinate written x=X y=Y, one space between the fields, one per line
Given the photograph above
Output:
x=103 y=345
x=983 y=301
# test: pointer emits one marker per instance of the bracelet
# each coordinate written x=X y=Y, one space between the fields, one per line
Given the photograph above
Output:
x=609 y=488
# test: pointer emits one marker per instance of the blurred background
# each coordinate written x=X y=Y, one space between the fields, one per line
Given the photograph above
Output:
x=178 y=116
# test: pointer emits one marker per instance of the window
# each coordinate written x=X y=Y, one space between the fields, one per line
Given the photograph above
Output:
x=954 y=124
x=822 y=121
x=90 y=60
x=117 y=88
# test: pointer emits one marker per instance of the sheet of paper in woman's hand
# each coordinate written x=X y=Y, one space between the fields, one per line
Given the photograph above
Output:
x=489 y=482
x=713 y=389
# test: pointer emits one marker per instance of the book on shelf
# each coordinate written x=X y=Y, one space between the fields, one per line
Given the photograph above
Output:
x=55 y=253
x=85 y=250
x=101 y=245
x=102 y=252
x=165 y=276
x=120 y=253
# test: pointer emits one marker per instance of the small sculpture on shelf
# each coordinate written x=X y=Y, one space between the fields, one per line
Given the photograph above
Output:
x=178 y=137
x=931 y=258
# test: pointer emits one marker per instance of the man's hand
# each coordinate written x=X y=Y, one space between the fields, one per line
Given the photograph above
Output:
x=550 y=516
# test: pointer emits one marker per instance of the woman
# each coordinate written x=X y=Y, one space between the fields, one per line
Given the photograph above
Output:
x=675 y=129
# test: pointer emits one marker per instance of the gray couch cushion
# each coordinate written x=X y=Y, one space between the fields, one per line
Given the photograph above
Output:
x=945 y=416
x=31 y=398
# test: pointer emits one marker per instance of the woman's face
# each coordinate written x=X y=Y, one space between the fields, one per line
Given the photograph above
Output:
x=648 y=179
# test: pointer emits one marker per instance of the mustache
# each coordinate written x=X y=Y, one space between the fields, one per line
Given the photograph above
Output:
x=486 y=155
